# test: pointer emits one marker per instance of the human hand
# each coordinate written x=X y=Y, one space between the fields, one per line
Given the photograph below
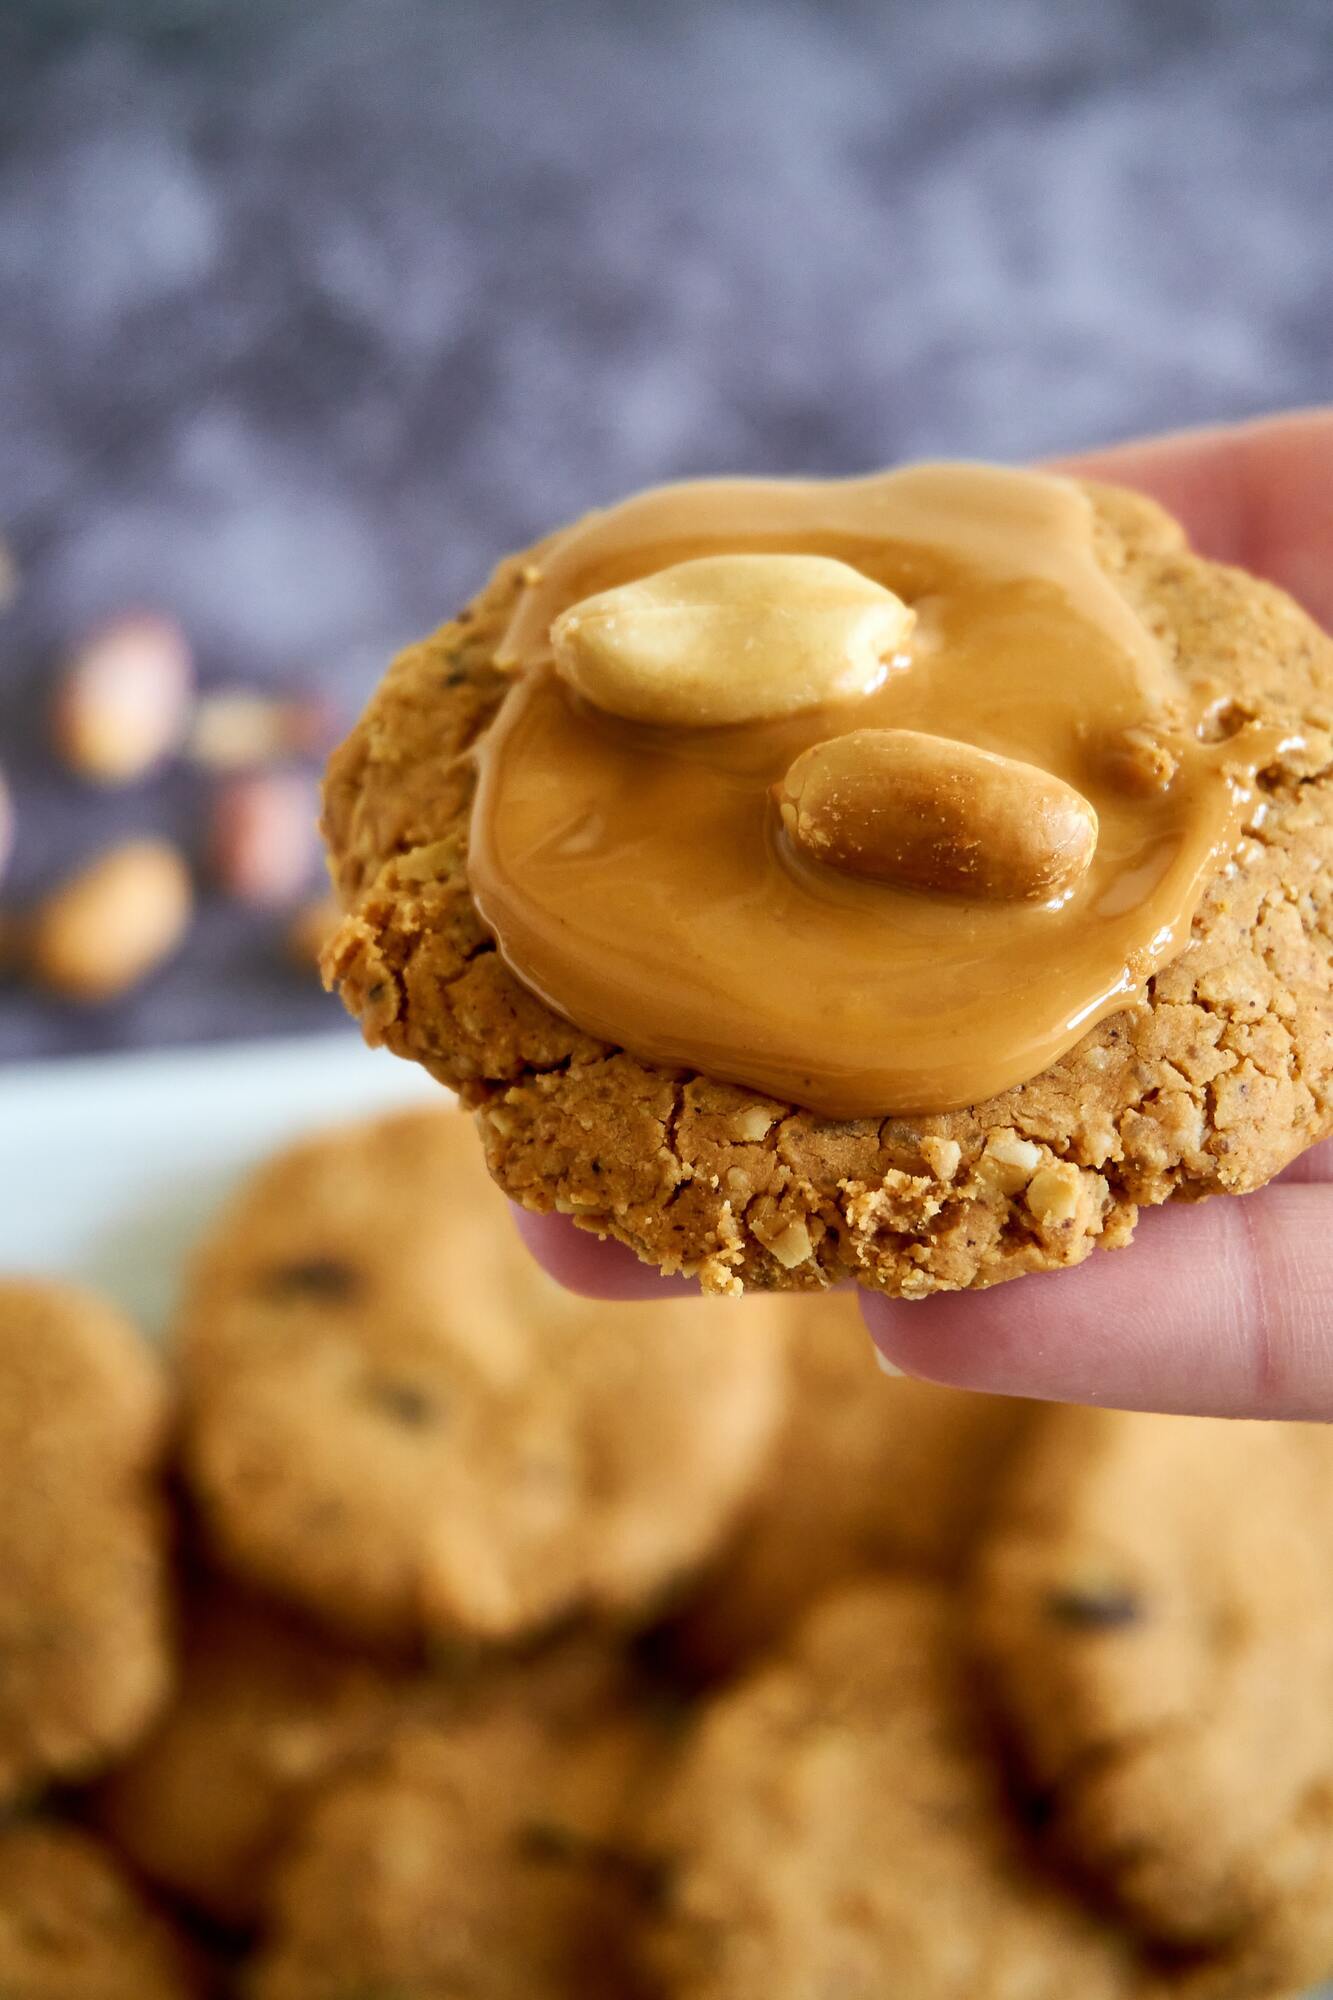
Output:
x=1224 y=1307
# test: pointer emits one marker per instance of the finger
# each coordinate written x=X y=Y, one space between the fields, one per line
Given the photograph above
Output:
x=588 y=1265
x=1258 y=494
x=1224 y=1309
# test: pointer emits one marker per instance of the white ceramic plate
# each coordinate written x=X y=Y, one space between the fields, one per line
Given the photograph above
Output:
x=110 y=1165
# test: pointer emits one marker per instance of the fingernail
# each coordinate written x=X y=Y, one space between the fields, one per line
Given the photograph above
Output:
x=883 y=1363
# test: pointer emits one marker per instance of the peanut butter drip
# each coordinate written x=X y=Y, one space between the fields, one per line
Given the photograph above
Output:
x=642 y=879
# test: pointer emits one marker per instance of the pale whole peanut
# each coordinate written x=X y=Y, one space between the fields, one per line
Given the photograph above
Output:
x=924 y=812
x=123 y=697
x=238 y=729
x=106 y=928
x=728 y=639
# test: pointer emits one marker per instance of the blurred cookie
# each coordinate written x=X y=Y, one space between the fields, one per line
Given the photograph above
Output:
x=483 y=1860
x=838 y=1826
x=74 y=1927
x=265 y=1710
x=83 y=1640
x=867 y=1475
x=393 y=1418
x=1153 y=1607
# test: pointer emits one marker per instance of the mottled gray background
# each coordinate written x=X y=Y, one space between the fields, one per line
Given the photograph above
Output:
x=310 y=311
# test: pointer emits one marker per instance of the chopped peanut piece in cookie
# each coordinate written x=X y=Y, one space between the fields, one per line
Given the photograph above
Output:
x=1053 y=1193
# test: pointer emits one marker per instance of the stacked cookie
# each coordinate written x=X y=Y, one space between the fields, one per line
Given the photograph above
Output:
x=453 y=1636
x=1098 y=1768
x=85 y=1650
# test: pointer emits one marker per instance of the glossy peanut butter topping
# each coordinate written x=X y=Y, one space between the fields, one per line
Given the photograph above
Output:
x=641 y=880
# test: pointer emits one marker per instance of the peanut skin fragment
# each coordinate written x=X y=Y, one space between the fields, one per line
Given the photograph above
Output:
x=925 y=812
x=262 y=838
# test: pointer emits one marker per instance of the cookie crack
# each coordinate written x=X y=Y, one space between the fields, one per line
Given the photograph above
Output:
x=671 y=1124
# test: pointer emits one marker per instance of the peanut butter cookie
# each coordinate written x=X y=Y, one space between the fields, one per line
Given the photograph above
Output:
x=83 y=1598
x=868 y=1475
x=74 y=1927
x=393 y=1419
x=1217 y=1071
x=838 y=1824
x=1152 y=1605
x=842 y=1822
x=484 y=1859
x=266 y=1710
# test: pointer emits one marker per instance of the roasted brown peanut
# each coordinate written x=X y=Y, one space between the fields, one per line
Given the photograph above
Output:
x=107 y=927
x=927 y=813
x=726 y=639
x=122 y=701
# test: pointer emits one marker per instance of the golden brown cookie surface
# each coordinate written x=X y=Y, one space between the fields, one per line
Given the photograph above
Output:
x=83 y=1615
x=393 y=1418
x=265 y=1710
x=480 y=1860
x=74 y=1927
x=1211 y=1085
x=1152 y=1604
x=867 y=1475
x=838 y=1825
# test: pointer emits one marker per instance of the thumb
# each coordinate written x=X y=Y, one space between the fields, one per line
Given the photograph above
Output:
x=1223 y=1309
